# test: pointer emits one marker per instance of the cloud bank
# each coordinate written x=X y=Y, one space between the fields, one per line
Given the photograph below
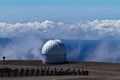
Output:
x=25 y=48
x=106 y=51
x=28 y=43
x=97 y=29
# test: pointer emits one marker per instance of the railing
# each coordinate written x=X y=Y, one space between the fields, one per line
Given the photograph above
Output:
x=43 y=71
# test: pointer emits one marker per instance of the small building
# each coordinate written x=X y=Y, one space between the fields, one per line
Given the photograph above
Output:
x=54 y=51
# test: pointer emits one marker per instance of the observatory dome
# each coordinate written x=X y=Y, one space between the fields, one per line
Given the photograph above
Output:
x=54 y=51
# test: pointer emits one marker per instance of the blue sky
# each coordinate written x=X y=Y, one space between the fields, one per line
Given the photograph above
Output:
x=59 y=2
x=58 y=10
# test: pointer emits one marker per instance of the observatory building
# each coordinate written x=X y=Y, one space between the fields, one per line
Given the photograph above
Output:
x=54 y=51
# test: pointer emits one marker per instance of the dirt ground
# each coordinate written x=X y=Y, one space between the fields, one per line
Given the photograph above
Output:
x=98 y=71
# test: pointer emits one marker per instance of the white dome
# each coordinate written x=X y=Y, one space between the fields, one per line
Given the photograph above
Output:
x=54 y=51
x=53 y=47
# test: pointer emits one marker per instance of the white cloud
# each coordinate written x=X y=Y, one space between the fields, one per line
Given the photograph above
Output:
x=105 y=52
x=97 y=29
x=25 y=48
